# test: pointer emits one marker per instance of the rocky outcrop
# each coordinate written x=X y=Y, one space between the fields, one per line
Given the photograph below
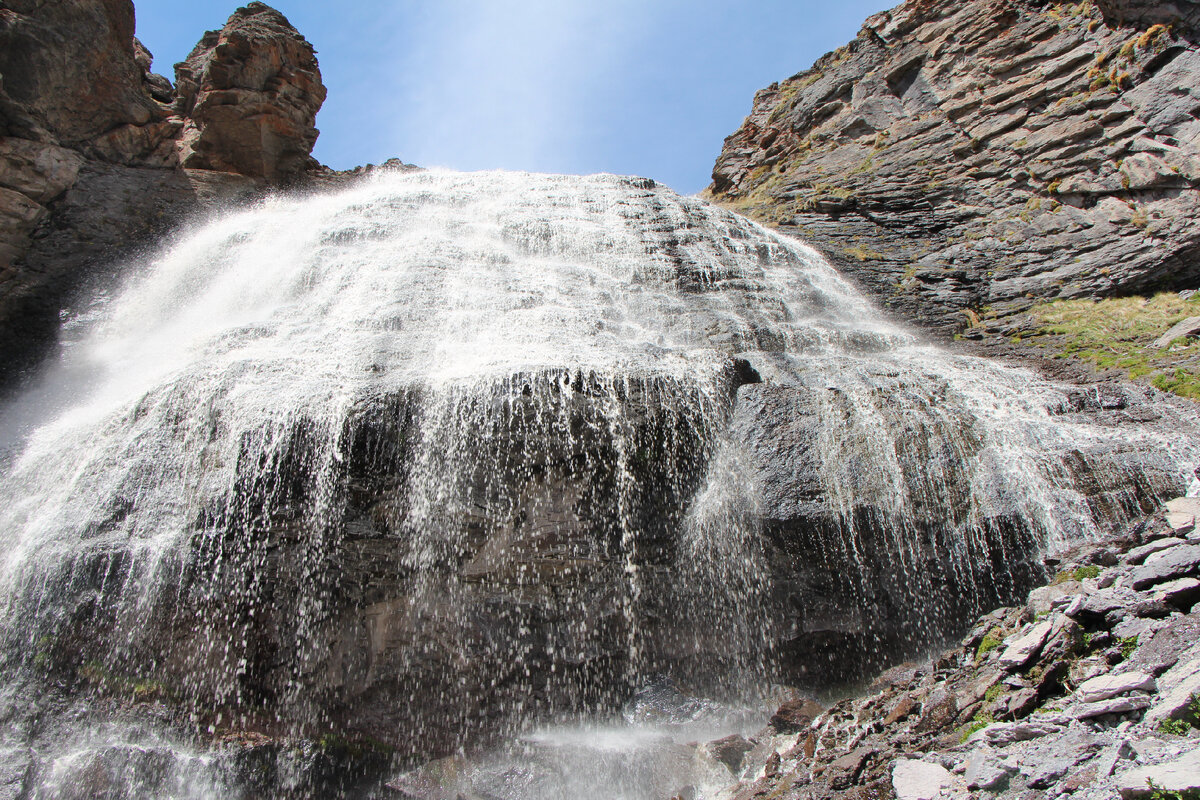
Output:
x=98 y=155
x=965 y=161
x=250 y=93
x=1091 y=688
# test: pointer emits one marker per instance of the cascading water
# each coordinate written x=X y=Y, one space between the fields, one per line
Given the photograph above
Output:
x=442 y=457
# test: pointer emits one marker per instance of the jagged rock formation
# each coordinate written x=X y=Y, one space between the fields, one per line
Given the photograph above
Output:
x=967 y=160
x=250 y=93
x=98 y=155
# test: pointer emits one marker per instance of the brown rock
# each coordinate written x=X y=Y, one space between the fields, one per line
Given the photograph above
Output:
x=795 y=715
x=250 y=94
x=70 y=65
x=730 y=751
x=901 y=710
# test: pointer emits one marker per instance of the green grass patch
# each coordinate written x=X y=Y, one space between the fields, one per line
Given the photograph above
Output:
x=1078 y=574
x=1119 y=334
x=863 y=253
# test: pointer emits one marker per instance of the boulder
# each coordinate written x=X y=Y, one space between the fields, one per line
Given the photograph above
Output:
x=1179 y=685
x=987 y=770
x=1139 y=554
x=730 y=751
x=1182 y=513
x=795 y=715
x=1000 y=733
x=1107 y=686
x=1025 y=647
x=1113 y=705
x=1183 y=328
x=1178 y=775
x=250 y=94
x=1178 y=562
x=920 y=780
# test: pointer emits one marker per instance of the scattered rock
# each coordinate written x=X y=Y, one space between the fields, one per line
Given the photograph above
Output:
x=1179 y=775
x=1022 y=651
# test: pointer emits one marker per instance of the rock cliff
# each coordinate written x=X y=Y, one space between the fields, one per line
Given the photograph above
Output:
x=98 y=154
x=970 y=161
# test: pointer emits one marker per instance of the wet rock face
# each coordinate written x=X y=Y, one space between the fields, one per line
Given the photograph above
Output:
x=856 y=581
x=964 y=160
x=511 y=602
x=251 y=92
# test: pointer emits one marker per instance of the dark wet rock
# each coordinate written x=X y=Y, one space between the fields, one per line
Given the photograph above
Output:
x=730 y=751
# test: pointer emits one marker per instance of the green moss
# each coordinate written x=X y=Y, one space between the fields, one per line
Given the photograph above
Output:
x=981 y=721
x=994 y=692
x=990 y=642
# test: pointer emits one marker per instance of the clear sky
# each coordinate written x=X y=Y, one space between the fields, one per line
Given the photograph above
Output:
x=646 y=87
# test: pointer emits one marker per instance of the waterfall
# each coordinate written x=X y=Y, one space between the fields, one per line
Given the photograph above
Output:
x=437 y=458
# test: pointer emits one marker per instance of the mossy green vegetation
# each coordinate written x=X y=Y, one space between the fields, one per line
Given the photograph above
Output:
x=1119 y=333
x=1189 y=720
x=990 y=642
x=981 y=721
x=1127 y=645
x=1077 y=574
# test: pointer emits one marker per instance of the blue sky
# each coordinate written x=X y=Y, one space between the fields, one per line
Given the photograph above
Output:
x=646 y=87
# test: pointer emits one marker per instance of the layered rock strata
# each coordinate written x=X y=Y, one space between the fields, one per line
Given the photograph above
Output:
x=98 y=154
x=965 y=161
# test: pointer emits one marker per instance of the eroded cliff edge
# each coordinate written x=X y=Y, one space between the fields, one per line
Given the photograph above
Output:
x=98 y=155
x=971 y=162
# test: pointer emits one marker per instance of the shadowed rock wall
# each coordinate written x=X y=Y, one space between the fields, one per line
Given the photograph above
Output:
x=99 y=156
